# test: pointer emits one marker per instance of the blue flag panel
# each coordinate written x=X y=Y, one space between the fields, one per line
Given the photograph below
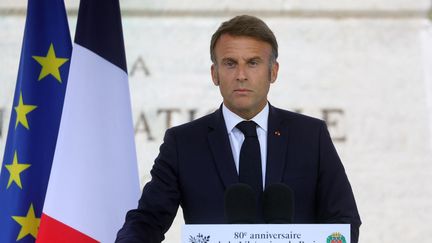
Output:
x=35 y=119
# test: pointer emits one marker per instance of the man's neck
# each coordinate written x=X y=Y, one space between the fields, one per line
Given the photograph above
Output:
x=247 y=114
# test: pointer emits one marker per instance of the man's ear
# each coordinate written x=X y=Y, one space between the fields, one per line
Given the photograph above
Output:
x=274 y=72
x=214 y=75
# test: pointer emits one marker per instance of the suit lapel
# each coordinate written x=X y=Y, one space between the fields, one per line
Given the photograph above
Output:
x=221 y=149
x=277 y=137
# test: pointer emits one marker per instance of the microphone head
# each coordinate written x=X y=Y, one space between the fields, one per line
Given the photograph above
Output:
x=240 y=204
x=278 y=204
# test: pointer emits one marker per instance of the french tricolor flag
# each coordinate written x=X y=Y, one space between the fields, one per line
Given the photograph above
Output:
x=94 y=177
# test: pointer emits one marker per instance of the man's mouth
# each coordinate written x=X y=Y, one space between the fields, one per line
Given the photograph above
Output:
x=241 y=91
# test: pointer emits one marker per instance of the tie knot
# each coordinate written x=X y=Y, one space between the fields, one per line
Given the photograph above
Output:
x=248 y=128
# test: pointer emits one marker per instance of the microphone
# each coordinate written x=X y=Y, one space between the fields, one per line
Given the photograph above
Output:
x=278 y=204
x=240 y=204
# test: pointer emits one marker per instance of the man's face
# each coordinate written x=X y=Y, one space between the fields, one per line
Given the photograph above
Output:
x=243 y=72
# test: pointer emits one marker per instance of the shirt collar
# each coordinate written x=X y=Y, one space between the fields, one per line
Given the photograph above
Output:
x=232 y=119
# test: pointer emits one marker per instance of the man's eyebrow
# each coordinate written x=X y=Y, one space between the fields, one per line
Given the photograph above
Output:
x=255 y=58
x=228 y=59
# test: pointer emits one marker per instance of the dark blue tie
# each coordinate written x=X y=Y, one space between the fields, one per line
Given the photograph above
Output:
x=250 y=171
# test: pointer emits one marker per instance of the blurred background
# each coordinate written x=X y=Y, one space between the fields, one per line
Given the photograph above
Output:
x=363 y=66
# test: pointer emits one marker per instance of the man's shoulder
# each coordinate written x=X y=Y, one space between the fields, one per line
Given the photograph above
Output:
x=197 y=125
x=204 y=123
x=290 y=117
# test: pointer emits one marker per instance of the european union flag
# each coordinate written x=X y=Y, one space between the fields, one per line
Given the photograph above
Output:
x=35 y=119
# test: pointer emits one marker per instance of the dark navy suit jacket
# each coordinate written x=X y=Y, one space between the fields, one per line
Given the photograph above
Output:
x=195 y=166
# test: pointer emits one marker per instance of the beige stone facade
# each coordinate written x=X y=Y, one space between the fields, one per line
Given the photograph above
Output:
x=363 y=66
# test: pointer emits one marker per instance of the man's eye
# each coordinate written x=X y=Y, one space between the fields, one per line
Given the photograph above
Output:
x=229 y=64
x=253 y=63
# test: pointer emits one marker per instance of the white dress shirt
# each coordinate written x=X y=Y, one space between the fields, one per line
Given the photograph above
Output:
x=236 y=137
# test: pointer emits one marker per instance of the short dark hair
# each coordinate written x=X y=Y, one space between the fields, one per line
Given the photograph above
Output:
x=245 y=25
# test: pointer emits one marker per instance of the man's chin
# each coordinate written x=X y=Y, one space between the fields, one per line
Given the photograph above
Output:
x=243 y=111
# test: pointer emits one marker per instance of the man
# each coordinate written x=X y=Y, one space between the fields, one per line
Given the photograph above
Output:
x=199 y=160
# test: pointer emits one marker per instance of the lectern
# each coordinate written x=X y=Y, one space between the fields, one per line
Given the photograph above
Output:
x=266 y=233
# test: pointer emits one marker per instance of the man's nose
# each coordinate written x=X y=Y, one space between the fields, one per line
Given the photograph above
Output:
x=241 y=73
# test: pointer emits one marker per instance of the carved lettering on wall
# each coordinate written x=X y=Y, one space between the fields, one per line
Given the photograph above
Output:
x=142 y=126
x=139 y=66
x=334 y=117
x=168 y=112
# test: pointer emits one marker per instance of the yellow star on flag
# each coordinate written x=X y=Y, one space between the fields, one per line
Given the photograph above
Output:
x=22 y=110
x=15 y=170
x=50 y=64
x=29 y=224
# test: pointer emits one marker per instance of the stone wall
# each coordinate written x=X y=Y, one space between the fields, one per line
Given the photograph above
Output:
x=363 y=66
